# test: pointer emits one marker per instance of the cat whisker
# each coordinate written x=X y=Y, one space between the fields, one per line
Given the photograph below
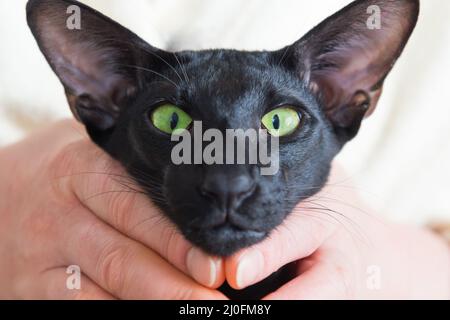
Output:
x=93 y=173
x=154 y=72
x=183 y=69
x=339 y=217
x=146 y=51
x=324 y=208
x=347 y=204
x=166 y=62
x=155 y=220
x=106 y=193
x=283 y=56
x=122 y=180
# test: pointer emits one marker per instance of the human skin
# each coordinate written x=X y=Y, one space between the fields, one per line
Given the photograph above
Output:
x=65 y=202
x=60 y=208
x=345 y=251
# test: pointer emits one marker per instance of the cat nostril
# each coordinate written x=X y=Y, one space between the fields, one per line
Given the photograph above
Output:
x=228 y=193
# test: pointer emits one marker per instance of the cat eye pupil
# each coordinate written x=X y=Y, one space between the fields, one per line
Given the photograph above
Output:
x=174 y=120
x=276 y=122
x=169 y=118
x=282 y=121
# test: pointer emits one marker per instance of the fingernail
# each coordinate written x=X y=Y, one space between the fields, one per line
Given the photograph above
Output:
x=202 y=267
x=249 y=268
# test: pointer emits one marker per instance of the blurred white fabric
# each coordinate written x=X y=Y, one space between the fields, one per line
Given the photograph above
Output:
x=401 y=158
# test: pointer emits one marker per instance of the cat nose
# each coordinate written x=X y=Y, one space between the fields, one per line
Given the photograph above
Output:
x=227 y=190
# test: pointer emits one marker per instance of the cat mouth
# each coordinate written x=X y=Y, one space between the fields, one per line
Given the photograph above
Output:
x=225 y=239
x=231 y=227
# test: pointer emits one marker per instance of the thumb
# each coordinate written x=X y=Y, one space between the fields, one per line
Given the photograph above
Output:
x=300 y=236
x=310 y=224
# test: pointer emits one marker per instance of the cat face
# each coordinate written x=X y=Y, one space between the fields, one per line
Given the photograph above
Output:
x=222 y=208
x=328 y=81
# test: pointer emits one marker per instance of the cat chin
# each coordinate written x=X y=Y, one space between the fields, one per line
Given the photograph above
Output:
x=224 y=241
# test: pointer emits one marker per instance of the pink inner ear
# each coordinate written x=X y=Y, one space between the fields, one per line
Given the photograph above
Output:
x=86 y=72
x=353 y=71
x=94 y=63
x=346 y=57
x=84 y=66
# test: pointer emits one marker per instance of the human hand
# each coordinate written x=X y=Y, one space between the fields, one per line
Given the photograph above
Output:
x=64 y=209
x=346 y=252
x=65 y=202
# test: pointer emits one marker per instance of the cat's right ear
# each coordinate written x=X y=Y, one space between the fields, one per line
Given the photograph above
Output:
x=346 y=58
x=99 y=62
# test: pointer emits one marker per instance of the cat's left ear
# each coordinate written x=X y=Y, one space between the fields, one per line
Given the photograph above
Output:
x=345 y=59
x=99 y=62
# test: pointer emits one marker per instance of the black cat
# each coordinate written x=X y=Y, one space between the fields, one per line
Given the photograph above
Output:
x=131 y=96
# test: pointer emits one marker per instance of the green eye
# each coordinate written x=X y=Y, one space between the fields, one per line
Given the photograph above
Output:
x=169 y=118
x=281 y=122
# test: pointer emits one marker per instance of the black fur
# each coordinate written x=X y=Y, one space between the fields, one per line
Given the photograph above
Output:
x=117 y=79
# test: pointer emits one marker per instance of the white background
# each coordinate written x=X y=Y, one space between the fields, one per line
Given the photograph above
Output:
x=401 y=158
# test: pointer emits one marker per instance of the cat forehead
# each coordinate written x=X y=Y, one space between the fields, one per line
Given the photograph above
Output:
x=227 y=65
x=228 y=57
x=235 y=88
x=231 y=73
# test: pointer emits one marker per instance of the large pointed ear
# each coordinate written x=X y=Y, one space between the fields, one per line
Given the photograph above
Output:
x=345 y=59
x=95 y=58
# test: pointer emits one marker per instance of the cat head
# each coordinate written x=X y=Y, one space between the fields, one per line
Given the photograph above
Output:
x=131 y=95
